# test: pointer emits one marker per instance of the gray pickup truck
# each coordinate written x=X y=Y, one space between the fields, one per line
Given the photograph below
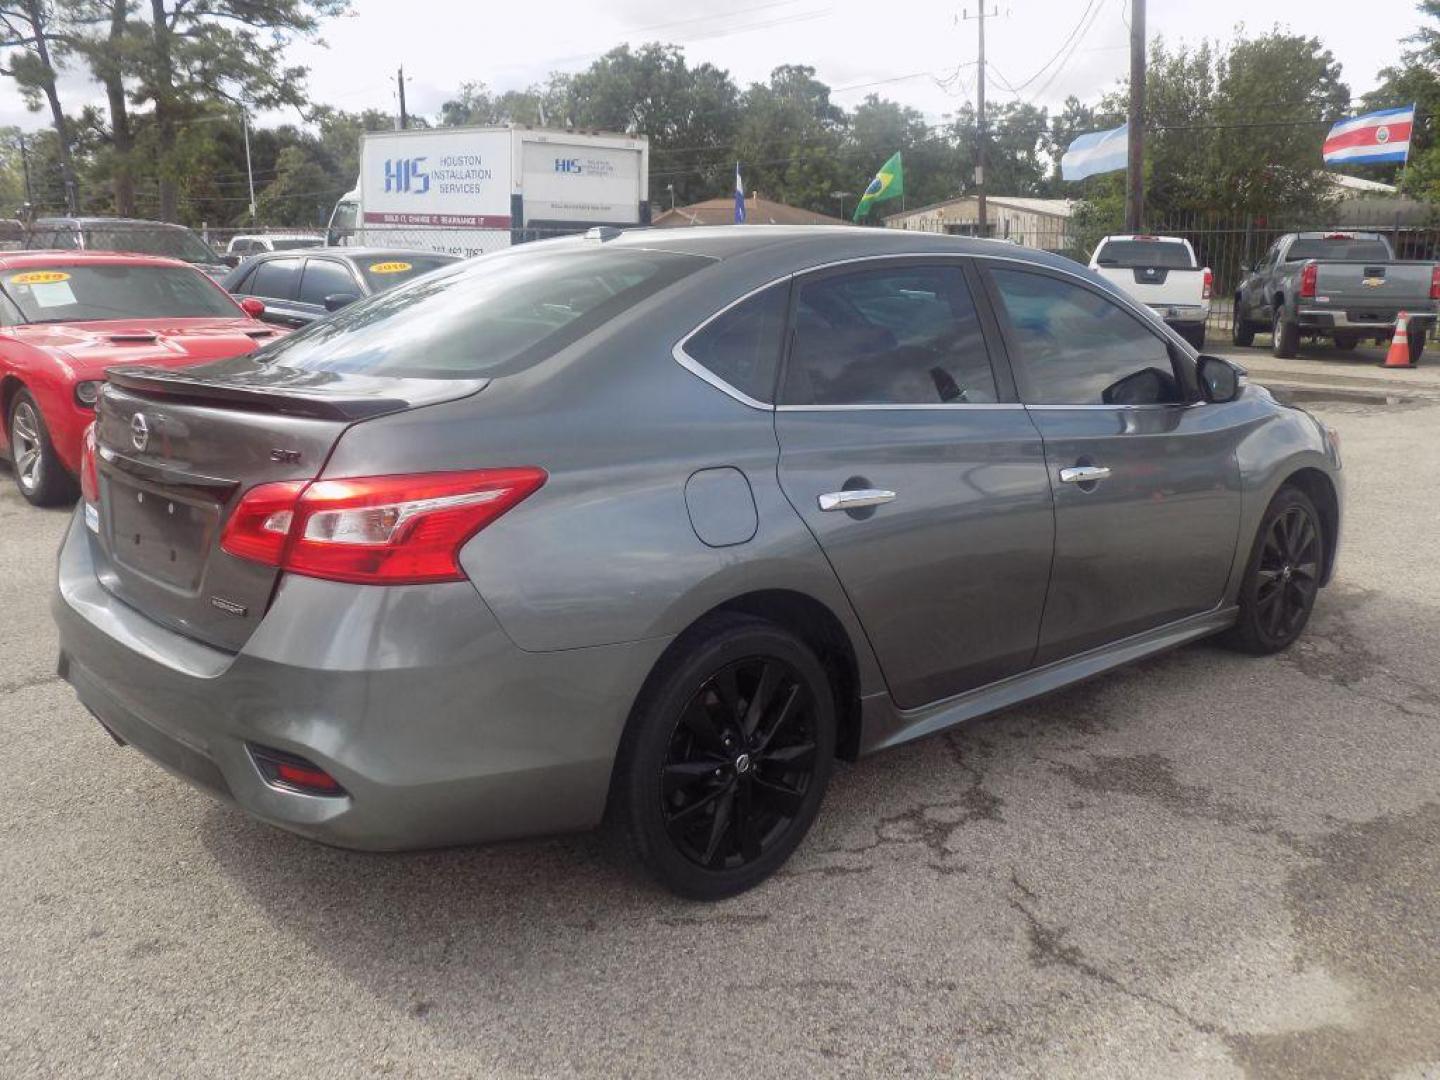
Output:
x=1345 y=286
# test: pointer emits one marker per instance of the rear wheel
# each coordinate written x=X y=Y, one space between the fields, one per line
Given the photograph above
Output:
x=1195 y=335
x=1346 y=342
x=1286 y=335
x=1282 y=577
x=38 y=472
x=726 y=757
x=1417 y=344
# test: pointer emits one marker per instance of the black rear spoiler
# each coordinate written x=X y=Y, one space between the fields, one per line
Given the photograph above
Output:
x=288 y=392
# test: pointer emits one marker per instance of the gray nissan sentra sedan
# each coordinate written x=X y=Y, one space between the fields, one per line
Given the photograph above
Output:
x=650 y=528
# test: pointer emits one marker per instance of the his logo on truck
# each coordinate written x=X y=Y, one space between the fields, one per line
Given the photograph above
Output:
x=568 y=165
x=406 y=176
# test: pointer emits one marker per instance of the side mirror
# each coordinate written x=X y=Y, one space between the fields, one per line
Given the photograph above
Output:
x=252 y=307
x=1219 y=379
x=335 y=301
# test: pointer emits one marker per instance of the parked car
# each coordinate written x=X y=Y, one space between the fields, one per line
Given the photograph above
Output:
x=124 y=234
x=242 y=247
x=1163 y=274
x=1344 y=286
x=298 y=289
x=68 y=317
x=653 y=527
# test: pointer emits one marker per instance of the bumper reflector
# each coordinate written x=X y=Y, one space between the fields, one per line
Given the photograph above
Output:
x=291 y=772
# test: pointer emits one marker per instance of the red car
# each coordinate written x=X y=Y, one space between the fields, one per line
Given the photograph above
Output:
x=68 y=316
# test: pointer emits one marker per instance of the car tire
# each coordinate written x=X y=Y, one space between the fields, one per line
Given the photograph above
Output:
x=1286 y=337
x=1242 y=331
x=1345 y=342
x=1282 y=576
x=1417 y=344
x=712 y=792
x=41 y=478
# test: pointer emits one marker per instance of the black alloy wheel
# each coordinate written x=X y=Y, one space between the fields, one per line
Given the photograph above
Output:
x=741 y=757
x=1283 y=578
x=726 y=757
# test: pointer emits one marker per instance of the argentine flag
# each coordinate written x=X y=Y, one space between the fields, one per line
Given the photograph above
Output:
x=739 y=197
x=1097 y=152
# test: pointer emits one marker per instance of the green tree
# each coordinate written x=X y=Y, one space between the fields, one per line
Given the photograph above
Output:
x=36 y=40
x=302 y=192
x=789 y=140
x=1417 y=80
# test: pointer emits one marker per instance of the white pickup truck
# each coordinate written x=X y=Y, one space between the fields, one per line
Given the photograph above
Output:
x=1161 y=273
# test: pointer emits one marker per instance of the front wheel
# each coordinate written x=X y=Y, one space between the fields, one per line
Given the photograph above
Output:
x=1242 y=331
x=726 y=757
x=38 y=472
x=1282 y=577
x=1286 y=336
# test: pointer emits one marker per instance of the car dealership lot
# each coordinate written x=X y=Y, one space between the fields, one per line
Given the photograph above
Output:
x=1202 y=865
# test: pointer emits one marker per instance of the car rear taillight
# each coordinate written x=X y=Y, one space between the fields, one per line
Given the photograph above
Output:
x=89 y=471
x=1308 y=274
x=374 y=530
x=1435 y=283
x=294 y=773
x=1207 y=283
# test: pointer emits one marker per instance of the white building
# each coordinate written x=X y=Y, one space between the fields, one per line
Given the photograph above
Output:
x=1035 y=223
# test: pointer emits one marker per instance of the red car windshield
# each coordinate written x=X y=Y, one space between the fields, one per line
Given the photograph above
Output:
x=78 y=293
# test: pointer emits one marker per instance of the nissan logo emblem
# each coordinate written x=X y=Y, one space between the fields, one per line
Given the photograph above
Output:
x=139 y=431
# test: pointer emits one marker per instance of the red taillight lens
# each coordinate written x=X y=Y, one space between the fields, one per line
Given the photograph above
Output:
x=260 y=525
x=293 y=772
x=89 y=471
x=1435 y=283
x=1308 y=274
x=391 y=530
x=1208 y=283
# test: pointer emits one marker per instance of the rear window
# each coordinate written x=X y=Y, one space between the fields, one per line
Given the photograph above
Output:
x=295 y=242
x=386 y=271
x=1338 y=248
x=489 y=317
x=176 y=243
x=79 y=293
x=1128 y=254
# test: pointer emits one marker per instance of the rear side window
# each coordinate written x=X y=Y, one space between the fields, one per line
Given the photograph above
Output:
x=1079 y=348
x=491 y=316
x=1339 y=248
x=1128 y=254
x=741 y=346
x=888 y=336
x=325 y=277
x=276 y=279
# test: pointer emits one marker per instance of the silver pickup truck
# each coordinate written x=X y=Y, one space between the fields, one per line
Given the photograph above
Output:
x=1345 y=286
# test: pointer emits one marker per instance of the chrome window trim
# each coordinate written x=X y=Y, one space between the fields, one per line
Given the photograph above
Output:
x=700 y=371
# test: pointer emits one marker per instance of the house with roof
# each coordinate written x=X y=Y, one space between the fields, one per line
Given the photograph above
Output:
x=758 y=211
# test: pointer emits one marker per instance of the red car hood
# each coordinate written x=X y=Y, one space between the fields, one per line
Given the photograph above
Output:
x=89 y=348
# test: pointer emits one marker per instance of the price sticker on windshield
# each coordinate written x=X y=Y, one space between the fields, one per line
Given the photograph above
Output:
x=40 y=277
x=390 y=267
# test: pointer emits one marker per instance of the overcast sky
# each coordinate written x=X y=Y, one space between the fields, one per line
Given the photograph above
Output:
x=921 y=52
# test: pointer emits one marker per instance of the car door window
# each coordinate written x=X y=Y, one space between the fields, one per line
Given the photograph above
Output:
x=325 y=277
x=889 y=336
x=1077 y=347
x=741 y=346
x=277 y=279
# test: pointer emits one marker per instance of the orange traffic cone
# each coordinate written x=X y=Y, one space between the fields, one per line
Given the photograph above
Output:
x=1399 y=354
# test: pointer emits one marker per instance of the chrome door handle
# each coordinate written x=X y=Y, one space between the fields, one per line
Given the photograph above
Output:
x=1083 y=474
x=855 y=500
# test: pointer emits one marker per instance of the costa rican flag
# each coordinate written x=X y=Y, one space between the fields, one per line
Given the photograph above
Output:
x=1374 y=137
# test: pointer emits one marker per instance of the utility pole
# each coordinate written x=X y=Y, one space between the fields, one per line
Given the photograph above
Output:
x=980 y=132
x=400 y=82
x=1135 y=157
x=25 y=168
x=249 y=172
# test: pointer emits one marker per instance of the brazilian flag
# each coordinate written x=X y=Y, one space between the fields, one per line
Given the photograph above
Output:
x=889 y=183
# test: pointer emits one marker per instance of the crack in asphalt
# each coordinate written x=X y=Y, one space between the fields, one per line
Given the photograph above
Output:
x=28 y=684
x=1047 y=948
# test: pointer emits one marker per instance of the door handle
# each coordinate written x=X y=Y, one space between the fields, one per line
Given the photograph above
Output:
x=855 y=500
x=1084 y=474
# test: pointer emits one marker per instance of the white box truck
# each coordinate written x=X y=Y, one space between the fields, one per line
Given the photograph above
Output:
x=465 y=191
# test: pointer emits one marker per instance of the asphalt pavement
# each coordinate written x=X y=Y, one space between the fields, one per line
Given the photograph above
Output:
x=1203 y=865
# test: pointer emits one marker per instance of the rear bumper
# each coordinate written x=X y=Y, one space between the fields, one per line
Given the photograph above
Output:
x=439 y=728
x=1380 y=323
x=1181 y=314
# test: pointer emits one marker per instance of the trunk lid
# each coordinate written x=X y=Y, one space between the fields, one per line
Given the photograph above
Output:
x=1378 y=287
x=177 y=450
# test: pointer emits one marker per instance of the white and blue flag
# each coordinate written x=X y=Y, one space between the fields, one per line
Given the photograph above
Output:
x=1097 y=152
x=739 y=197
